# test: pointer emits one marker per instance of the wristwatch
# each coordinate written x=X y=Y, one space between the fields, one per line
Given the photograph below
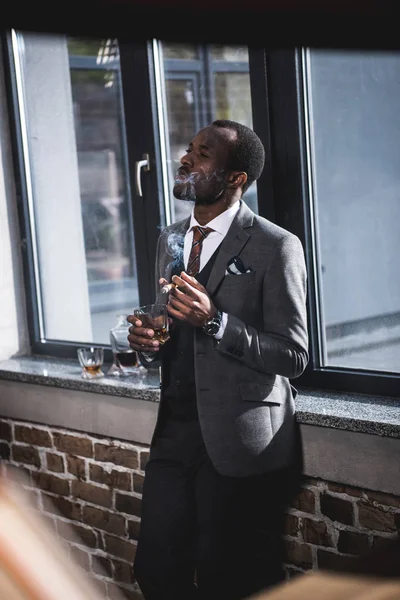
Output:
x=211 y=327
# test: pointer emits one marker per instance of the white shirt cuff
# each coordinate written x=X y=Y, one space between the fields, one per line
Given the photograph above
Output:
x=224 y=321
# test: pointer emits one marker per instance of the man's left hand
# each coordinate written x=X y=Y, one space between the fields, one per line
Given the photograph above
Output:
x=189 y=301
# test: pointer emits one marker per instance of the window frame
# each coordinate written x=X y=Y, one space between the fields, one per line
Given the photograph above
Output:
x=293 y=211
x=147 y=216
x=278 y=106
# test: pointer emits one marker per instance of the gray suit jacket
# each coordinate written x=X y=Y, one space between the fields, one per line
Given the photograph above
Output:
x=245 y=401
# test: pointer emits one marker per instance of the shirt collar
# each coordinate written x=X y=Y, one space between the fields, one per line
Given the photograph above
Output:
x=221 y=223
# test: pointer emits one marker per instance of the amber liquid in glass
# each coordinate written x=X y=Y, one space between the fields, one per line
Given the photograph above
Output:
x=93 y=369
x=161 y=335
x=126 y=359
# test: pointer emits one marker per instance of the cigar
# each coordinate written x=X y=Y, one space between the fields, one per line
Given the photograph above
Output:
x=168 y=287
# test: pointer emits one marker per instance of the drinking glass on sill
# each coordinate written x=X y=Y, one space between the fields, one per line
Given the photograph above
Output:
x=126 y=360
x=154 y=316
x=91 y=361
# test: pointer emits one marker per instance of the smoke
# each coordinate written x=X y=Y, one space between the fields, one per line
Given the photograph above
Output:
x=175 y=243
x=188 y=182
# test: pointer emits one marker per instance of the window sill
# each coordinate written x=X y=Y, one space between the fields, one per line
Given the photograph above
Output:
x=352 y=412
x=65 y=373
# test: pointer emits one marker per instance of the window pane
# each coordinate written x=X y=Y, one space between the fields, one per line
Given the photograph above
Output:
x=230 y=53
x=179 y=51
x=196 y=96
x=354 y=117
x=74 y=122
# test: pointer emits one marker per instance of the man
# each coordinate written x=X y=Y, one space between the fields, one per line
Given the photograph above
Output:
x=224 y=457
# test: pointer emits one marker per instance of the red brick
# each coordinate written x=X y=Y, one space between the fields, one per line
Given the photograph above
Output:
x=122 y=457
x=383 y=543
x=345 y=489
x=316 y=532
x=331 y=561
x=144 y=457
x=77 y=534
x=52 y=483
x=138 y=481
x=298 y=554
x=26 y=455
x=57 y=506
x=128 y=504
x=31 y=435
x=351 y=542
x=120 y=548
x=5 y=431
x=101 y=519
x=305 y=501
x=102 y=566
x=73 y=444
x=81 y=557
x=133 y=530
x=91 y=493
x=373 y=517
x=337 y=509
x=4 y=451
x=291 y=525
x=123 y=572
x=385 y=499
x=121 y=480
x=76 y=466
x=55 y=462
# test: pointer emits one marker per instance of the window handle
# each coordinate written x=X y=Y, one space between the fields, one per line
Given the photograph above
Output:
x=139 y=165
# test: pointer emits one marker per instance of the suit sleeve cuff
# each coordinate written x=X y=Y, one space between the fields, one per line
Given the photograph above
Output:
x=224 y=320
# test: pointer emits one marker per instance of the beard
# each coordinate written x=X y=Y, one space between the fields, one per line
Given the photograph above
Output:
x=193 y=187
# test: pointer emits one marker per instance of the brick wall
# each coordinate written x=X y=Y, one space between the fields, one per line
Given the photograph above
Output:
x=328 y=523
x=95 y=485
x=89 y=490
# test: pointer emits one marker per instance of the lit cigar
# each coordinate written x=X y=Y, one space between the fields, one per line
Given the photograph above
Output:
x=168 y=287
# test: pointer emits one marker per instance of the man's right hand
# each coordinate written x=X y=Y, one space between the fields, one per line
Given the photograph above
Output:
x=140 y=338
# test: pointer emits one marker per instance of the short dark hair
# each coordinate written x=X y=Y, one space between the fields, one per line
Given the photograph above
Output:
x=247 y=152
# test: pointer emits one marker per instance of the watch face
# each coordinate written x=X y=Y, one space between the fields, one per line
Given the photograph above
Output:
x=212 y=327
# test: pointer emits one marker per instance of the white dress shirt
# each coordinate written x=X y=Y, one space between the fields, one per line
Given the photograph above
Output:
x=220 y=225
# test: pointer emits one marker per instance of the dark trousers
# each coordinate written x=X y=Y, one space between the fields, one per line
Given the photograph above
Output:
x=225 y=533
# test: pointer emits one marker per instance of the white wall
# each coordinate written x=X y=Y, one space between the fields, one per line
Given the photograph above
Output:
x=13 y=325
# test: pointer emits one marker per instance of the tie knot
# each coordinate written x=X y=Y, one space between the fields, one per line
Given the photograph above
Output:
x=200 y=233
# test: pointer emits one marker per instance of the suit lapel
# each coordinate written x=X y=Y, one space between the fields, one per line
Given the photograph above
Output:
x=234 y=242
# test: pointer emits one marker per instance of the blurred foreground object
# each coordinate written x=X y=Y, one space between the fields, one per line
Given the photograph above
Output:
x=334 y=586
x=34 y=565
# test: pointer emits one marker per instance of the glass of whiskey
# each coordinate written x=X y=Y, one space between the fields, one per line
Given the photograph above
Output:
x=154 y=316
x=91 y=361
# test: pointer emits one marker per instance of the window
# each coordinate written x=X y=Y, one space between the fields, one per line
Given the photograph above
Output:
x=100 y=129
x=91 y=157
x=202 y=84
x=354 y=123
x=80 y=206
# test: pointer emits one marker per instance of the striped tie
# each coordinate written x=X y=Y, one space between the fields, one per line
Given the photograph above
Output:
x=199 y=235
